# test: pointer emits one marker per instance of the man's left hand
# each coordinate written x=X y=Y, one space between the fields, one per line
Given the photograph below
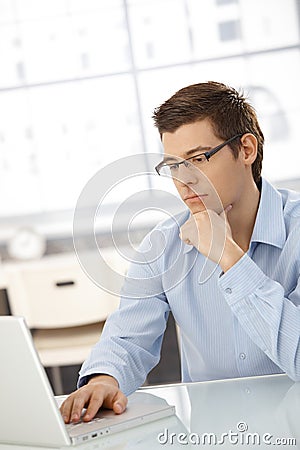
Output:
x=210 y=233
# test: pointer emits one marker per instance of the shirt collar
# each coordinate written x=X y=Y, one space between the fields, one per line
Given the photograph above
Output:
x=269 y=225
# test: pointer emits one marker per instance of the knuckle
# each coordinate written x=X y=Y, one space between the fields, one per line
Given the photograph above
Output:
x=96 y=400
x=78 y=403
x=66 y=404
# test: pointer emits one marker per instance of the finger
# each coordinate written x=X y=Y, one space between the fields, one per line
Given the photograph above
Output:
x=228 y=208
x=225 y=211
x=78 y=405
x=116 y=400
x=185 y=239
x=120 y=403
x=183 y=235
x=185 y=229
x=95 y=403
x=184 y=226
x=65 y=409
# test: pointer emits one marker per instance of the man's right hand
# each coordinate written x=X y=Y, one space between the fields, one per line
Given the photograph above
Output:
x=101 y=390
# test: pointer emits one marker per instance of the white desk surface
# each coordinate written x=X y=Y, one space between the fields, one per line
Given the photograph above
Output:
x=257 y=410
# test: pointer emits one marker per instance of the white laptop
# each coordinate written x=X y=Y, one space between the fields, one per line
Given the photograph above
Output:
x=29 y=411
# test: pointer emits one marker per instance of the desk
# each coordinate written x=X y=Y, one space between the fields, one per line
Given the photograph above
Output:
x=257 y=410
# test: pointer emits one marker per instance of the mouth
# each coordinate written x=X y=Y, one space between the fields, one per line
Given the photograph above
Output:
x=195 y=198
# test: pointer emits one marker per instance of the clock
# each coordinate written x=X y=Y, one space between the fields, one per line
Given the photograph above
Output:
x=26 y=244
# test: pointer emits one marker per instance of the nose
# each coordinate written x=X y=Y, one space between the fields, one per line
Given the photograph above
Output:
x=186 y=175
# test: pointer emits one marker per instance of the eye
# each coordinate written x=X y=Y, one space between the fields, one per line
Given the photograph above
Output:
x=173 y=166
x=199 y=159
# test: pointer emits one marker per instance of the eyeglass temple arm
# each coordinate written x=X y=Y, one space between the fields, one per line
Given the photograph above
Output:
x=216 y=149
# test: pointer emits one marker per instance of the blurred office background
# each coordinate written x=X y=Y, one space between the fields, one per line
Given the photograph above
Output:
x=79 y=80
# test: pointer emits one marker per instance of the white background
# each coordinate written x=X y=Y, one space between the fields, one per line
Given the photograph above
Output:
x=79 y=80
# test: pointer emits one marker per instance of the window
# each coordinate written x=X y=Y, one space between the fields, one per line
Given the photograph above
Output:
x=229 y=30
x=79 y=80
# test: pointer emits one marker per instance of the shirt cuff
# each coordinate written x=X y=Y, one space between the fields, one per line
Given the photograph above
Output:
x=84 y=379
x=241 y=280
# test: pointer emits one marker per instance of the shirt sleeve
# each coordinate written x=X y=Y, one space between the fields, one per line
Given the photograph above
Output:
x=270 y=319
x=130 y=344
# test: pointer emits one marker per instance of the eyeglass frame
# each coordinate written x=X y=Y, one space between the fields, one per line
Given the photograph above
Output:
x=207 y=155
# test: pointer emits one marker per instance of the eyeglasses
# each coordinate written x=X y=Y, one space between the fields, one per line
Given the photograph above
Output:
x=171 y=169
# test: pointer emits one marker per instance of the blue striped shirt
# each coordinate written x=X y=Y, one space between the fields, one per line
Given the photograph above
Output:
x=241 y=323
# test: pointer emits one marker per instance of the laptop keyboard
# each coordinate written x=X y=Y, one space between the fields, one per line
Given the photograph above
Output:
x=71 y=426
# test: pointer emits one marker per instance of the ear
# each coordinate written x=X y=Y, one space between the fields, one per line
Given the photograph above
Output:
x=248 y=150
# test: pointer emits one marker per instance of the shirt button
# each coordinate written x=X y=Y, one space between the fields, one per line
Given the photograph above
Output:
x=242 y=356
x=228 y=291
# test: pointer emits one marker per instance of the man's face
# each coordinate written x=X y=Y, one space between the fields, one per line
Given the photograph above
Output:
x=216 y=183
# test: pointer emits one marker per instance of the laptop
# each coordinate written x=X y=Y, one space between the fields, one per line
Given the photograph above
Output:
x=29 y=411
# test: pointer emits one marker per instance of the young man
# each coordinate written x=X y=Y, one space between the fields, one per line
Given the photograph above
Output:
x=229 y=269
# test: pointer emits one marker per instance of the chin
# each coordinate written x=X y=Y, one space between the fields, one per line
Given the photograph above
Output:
x=197 y=208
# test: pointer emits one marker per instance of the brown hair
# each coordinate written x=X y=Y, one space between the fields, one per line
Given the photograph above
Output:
x=228 y=111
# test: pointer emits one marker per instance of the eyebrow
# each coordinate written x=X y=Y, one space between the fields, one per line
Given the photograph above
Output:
x=187 y=153
x=197 y=149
